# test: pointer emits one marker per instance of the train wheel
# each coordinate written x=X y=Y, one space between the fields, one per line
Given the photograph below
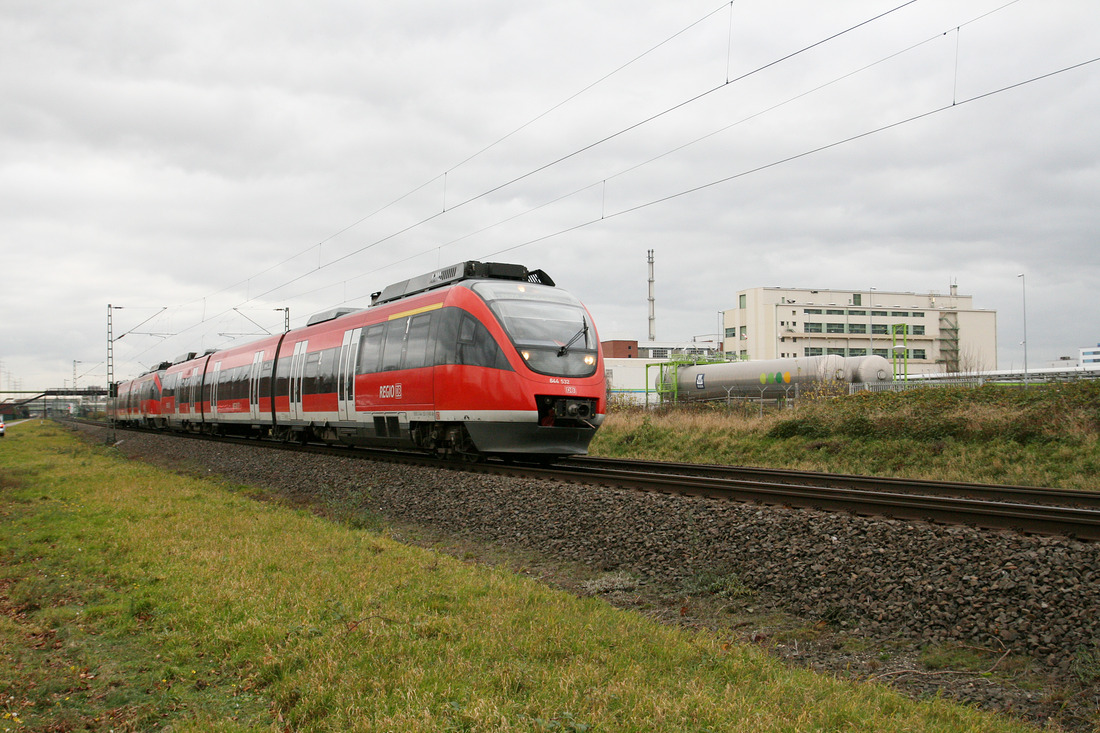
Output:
x=461 y=445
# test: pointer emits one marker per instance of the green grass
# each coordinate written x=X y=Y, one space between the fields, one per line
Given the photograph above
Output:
x=1042 y=436
x=136 y=599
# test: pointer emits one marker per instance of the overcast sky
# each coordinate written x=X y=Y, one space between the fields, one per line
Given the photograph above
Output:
x=224 y=159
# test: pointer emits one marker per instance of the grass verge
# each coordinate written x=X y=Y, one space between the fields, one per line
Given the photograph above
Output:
x=1048 y=435
x=136 y=599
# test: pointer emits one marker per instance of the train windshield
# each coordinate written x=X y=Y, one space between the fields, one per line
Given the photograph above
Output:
x=549 y=327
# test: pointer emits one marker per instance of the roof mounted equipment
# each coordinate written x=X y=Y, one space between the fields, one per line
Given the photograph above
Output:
x=456 y=273
x=329 y=315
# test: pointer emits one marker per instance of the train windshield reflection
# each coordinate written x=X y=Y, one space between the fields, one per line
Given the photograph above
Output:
x=540 y=321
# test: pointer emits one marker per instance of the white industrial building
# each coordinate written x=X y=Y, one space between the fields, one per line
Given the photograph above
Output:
x=923 y=333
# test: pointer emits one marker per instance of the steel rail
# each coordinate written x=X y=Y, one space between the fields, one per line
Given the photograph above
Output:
x=1075 y=522
x=993 y=492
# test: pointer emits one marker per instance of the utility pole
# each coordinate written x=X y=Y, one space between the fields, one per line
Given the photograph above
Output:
x=1023 y=297
x=111 y=393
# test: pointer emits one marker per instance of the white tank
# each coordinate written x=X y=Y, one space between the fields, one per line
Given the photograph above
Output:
x=867 y=369
x=767 y=378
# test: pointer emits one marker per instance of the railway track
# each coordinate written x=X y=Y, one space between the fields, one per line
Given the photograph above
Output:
x=1029 y=510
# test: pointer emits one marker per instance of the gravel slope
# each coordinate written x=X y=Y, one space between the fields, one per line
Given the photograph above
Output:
x=851 y=595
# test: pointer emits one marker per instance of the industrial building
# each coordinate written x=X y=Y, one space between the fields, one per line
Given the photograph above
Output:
x=922 y=333
x=624 y=349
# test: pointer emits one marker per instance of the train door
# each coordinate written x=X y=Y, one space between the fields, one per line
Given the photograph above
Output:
x=214 y=376
x=190 y=382
x=254 y=385
x=194 y=393
x=297 y=368
x=349 y=350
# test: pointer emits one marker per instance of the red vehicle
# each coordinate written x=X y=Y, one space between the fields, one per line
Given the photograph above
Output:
x=471 y=360
x=181 y=403
x=138 y=401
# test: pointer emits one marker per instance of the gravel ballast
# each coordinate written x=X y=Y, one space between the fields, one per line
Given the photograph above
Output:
x=873 y=578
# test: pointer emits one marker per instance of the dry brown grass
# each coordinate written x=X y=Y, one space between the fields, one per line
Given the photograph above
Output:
x=1039 y=437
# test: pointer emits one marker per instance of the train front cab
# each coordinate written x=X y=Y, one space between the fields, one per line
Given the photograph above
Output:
x=550 y=398
x=439 y=371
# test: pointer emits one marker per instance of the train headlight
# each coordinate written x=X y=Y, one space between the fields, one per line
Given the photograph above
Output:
x=589 y=360
x=526 y=355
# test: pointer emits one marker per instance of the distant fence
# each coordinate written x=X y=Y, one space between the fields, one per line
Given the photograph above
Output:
x=903 y=386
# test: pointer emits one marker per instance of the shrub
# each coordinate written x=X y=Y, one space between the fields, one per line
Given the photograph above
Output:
x=798 y=427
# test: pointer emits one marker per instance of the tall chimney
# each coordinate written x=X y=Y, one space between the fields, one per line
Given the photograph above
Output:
x=652 y=314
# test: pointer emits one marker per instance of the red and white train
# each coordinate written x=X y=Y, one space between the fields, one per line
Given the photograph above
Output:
x=476 y=359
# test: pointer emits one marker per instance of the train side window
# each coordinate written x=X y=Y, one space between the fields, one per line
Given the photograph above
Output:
x=265 y=378
x=282 y=377
x=370 y=349
x=416 y=345
x=326 y=371
x=394 y=343
x=310 y=381
x=241 y=383
x=225 y=384
x=239 y=391
x=461 y=339
x=476 y=346
x=467 y=331
x=446 y=335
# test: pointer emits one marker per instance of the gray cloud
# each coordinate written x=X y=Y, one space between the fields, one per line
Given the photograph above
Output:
x=206 y=157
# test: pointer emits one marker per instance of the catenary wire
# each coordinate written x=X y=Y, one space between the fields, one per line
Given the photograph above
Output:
x=473 y=156
x=594 y=144
x=529 y=173
x=697 y=188
x=803 y=154
x=671 y=151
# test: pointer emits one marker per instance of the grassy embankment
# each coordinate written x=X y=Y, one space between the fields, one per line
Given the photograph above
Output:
x=135 y=598
x=1042 y=436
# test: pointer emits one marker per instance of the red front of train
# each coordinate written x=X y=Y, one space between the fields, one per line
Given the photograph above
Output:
x=478 y=358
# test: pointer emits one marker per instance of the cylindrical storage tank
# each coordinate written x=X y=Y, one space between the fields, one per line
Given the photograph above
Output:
x=767 y=378
x=867 y=369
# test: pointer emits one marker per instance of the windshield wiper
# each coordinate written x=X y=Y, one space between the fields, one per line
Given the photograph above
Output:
x=583 y=332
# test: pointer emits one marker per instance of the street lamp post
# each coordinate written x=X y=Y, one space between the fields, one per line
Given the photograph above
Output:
x=901 y=351
x=871 y=318
x=1023 y=296
x=79 y=400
